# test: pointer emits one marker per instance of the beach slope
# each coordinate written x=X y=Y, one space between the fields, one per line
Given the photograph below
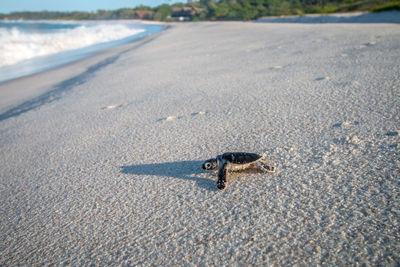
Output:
x=102 y=165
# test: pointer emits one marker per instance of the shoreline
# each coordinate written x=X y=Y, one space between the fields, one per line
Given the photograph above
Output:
x=10 y=100
x=74 y=52
x=13 y=93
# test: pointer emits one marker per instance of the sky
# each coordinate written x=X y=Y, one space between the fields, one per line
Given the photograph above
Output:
x=7 y=6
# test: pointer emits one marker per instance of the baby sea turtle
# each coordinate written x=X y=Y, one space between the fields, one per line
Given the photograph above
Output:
x=236 y=161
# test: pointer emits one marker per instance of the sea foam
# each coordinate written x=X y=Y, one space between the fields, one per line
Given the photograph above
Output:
x=17 y=45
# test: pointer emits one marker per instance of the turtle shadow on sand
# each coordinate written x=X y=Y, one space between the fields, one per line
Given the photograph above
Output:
x=185 y=170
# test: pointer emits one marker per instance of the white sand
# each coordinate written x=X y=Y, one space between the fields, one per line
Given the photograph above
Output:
x=85 y=183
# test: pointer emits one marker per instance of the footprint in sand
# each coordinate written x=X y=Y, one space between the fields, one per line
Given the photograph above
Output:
x=370 y=43
x=367 y=44
x=345 y=124
x=199 y=113
x=112 y=106
x=323 y=78
x=172 y=118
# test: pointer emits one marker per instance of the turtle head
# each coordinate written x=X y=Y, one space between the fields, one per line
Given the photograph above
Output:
x=210 y=165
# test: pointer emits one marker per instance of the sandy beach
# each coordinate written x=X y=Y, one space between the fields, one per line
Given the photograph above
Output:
x=100 y=160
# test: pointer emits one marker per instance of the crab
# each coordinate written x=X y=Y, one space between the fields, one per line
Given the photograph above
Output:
x=236 y=161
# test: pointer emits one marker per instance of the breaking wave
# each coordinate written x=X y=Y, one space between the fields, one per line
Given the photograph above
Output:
x=18 y=44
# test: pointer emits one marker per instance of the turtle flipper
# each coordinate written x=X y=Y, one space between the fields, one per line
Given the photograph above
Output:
x=221 y=176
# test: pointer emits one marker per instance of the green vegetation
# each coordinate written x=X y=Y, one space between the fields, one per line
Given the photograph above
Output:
x=388 y=7
x=217 y=10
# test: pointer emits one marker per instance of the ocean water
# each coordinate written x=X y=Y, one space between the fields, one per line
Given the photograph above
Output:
x=31 y=47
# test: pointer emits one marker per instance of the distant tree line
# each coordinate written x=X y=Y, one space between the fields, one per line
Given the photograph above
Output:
x=213 y=10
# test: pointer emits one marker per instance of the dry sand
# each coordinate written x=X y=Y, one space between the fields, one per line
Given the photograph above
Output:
x=104 y=166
